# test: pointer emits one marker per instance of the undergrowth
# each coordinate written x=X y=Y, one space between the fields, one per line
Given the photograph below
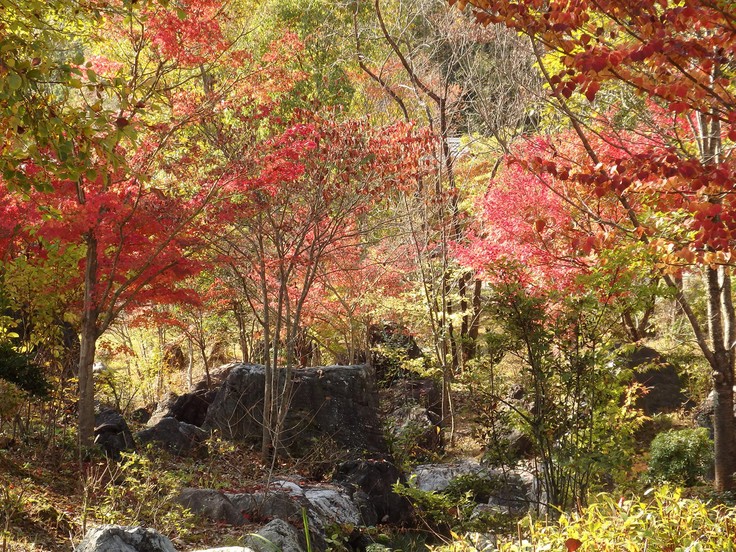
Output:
x=662 y=520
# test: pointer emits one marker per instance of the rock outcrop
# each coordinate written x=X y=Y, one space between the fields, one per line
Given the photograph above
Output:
x=335 y=402
x=211 y=504
x=177 y=437
x=370 y=484
x=276 y=535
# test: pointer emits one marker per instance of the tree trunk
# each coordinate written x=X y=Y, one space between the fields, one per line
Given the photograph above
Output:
x=723 y=433
x=471 y=317
x=88 y=342
x=242 y=338
x=190 y=366
x=475 y=323
x=721 y=318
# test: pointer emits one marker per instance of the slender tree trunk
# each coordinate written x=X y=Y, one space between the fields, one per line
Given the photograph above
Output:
x=190 y=365
x=721 y=317
x=201 y=345
x=88 y=342
x=242 y=339
x=271 y=358
x=474 y=329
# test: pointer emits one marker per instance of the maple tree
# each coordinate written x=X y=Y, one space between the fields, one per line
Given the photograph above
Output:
x=307 y=206
x=358 y=288
x=675 y=192
x=135 y=239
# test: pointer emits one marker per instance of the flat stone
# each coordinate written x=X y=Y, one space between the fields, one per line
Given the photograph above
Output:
x=211 y=504
x=119 y=538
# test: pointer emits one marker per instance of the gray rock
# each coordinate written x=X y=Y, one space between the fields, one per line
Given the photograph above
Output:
x=276 y=536
x=437 y=477
x=117 y=538
x=482 y=542
x=665 y=392
x=335 y=402
x=485 y=509
x=333 y=506
x=177 y=437
x=211 y=504
x=416 y=427
x=510 y=491
x=286 y=500
x=269 y=505
x=287 y=486
x=228 y=549
x=112 y=433
x=190 y=408
x=217 y=377
x=370 y=484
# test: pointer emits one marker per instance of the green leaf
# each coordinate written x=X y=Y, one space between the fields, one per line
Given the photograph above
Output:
x=14 y=81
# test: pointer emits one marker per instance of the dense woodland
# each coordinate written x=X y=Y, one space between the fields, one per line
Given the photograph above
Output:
x=511 y=200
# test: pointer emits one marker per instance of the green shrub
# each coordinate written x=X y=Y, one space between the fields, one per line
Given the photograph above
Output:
x=681 y=457
x=142 y=491
x=452 y=510
x=662 y=521
x=438 y=511
x=479 y=488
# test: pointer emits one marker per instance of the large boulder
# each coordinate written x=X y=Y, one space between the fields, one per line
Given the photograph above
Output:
x=117 y=538
x=211 y=504
x=177 y=437
x=370 y=483
x=324 y=505
x=335 y=402
x=267 y=505
x=112 y=433
x=515 y=492
x=217 y=377
x=665 y=393
x=437 y=477
x=333 y=506
x=190 y=408
x=282 y=499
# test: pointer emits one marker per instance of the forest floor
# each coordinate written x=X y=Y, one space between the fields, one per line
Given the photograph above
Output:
x=48 y=498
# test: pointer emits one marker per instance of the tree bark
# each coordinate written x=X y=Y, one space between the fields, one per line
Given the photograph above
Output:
x=720 y=311
x=88 y=343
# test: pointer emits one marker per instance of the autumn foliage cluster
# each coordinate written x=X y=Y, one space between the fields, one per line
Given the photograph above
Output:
x=225 y=172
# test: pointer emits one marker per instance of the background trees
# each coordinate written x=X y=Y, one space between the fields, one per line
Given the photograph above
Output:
x=672 y=66
x=312 y=170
